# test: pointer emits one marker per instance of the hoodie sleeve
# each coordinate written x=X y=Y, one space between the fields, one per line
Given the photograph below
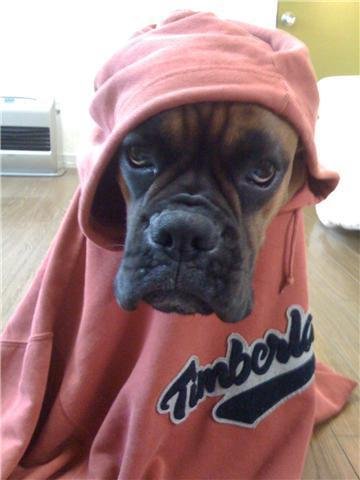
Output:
x=24 y=373
x=27 y=342
x=25 y=360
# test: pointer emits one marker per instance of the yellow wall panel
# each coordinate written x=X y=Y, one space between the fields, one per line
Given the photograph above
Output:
x=331 y=31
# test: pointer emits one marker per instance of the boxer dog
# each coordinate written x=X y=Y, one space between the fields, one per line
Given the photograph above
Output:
x=201 y=183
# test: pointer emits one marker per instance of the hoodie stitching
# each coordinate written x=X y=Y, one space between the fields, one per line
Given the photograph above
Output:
x=281 y=76
x=180 y=72
x=40 y=337
x=289 y=250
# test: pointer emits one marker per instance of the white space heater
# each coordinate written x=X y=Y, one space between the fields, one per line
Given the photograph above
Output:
x=28 y=137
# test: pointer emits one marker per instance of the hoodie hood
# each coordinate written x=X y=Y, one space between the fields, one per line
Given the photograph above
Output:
x=187 y=58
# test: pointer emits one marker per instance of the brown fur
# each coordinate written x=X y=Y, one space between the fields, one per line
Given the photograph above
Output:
x=226 y=124
x=197 y=213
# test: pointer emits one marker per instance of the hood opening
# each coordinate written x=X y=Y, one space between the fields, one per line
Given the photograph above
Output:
x=198 y=58
x=108 y=212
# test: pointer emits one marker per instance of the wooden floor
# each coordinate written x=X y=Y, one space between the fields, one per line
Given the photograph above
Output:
x=32 y=209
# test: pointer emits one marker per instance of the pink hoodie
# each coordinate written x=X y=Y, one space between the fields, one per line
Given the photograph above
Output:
x=93 y=392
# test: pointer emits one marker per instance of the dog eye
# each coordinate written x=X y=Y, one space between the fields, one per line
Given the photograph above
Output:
x=262 y=175
x=140 y=157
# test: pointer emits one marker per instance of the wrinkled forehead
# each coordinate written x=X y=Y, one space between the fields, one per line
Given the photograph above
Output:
x=224 y=124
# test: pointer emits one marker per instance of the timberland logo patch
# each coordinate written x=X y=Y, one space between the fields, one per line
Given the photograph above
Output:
x=252 y=379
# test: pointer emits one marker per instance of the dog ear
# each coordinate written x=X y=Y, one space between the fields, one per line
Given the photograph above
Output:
x=299 y=171
x=109 y=206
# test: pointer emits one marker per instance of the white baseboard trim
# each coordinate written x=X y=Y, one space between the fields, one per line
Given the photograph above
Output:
x=69 y=160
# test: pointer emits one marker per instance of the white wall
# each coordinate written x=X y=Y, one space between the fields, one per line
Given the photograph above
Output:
x=55 y=47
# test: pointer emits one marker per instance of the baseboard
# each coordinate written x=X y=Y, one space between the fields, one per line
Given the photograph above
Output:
x=69 y=160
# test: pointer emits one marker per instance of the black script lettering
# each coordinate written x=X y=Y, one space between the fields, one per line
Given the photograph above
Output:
x=239 y=358
x=207 y=381
x=193 y=396
x=241 y=374
x=262 y=358
x=308 y=334
x=295 y=332
x=179 y=390
x=280 y=346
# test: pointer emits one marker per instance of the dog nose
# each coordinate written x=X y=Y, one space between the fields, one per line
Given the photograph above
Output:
x=183 y=235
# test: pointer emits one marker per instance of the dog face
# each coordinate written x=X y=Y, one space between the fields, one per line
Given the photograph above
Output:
x=201 y=183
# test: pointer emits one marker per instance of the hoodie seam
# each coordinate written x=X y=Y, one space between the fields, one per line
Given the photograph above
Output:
x=71 y=421
x=179 y=72
x=281 y=76
x=32 y=339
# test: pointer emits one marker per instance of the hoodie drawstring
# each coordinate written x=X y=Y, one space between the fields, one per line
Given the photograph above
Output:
x=289 y=250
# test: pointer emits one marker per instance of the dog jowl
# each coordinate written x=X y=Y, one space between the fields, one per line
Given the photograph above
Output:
x=201 y=183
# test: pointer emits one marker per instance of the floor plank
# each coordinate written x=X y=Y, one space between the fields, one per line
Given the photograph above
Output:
x=32 y=209
x=326 y=458
x=351 y=451
x=333 y=267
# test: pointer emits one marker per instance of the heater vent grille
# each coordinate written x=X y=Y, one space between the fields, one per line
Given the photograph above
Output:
x=25 y=138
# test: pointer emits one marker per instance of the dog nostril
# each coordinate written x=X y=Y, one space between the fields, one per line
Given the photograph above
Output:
x=163 y=238
x=182 y=234
x=195 y=243
x=199 y=243
x=145 y=221
x=167 y=240
x=204 y=243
